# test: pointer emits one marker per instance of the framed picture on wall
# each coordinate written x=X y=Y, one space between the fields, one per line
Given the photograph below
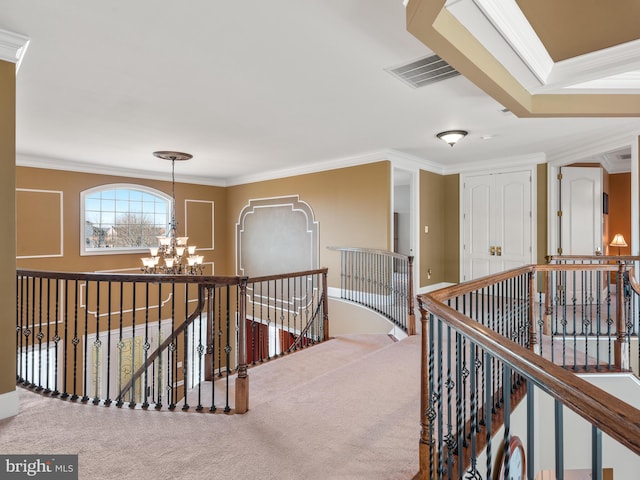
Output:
x=605 y=203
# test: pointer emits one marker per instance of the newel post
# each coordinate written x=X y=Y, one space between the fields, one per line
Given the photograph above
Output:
x=424 y=448
x=411 y=329
x=325 y=305
x=242 y=382
x=620 y=346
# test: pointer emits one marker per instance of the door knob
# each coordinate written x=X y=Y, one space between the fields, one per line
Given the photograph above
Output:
x=492 y=250
x=499 y=251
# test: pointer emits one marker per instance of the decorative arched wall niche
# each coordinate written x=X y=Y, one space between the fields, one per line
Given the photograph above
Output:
x=276 y=235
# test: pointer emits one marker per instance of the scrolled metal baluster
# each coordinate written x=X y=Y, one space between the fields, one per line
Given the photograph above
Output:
x=97 y=344
x=39 y=336
x=66 y=340
x=145 y=346
x=56 y=340
x=75 y=341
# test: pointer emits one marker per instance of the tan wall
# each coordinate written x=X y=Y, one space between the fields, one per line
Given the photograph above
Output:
x=541 y=206
x=7 y=218
x=352 y=206
x=439 y=211
x=39 y=224
x=620 y=210
x=452 y=228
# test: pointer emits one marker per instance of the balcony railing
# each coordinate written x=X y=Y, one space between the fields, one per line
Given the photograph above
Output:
x=381 y=281
x=485 y=348
x=160 y=340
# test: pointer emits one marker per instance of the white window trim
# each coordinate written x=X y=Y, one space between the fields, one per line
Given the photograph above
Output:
x=117 y=186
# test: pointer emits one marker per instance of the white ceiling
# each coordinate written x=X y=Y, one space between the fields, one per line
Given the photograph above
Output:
x=255 y=89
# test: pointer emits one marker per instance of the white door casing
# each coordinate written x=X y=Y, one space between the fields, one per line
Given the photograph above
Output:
x=581 y=207
x=497 y=222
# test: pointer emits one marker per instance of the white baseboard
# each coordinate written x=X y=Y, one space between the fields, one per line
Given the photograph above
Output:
x=435 y=286
x=9 y=405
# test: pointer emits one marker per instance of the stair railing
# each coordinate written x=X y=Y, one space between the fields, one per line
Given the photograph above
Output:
x=381 y=281
x=482 y=356
x=157 y=340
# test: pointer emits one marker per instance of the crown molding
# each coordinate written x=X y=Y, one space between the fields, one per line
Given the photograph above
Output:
x=583 y=151
x=510 y=163
x=13 y=47
x=23 y=160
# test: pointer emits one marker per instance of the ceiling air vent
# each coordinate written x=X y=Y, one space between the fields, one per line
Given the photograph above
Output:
x=424 y=71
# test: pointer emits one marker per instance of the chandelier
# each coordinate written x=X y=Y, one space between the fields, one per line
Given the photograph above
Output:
x=177 y=256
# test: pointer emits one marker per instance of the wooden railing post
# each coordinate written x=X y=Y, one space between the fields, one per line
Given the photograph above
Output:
x=411 y=320
x=424 y=449
x=620 y=346
x=242 y=381
x=325 y=305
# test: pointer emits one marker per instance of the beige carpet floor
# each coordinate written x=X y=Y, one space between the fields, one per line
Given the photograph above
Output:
x=344 y=409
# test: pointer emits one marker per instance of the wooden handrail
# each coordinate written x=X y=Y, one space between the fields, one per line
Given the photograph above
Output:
x=368 y=250
x=607 y=412
x=268 y=278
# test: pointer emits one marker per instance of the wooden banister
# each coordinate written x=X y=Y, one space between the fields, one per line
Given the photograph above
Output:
x=605 y=411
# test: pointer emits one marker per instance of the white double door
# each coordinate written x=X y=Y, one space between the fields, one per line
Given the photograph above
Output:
x=497 y=223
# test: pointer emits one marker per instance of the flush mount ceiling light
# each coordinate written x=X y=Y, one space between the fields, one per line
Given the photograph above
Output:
x=452 y=136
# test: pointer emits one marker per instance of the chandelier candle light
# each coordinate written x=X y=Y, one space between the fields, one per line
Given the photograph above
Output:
x=172 y=249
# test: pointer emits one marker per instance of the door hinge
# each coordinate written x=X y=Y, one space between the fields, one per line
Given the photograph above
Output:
x=559 y=213
x=559 y=176
x=560 y=251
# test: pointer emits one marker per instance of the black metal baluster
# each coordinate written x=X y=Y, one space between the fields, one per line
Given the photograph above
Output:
x=598 y=318
x=158 y=374
x=134 y=392
x=506 y=400
x=107 y=400
x=459 y=438
x=120 y=346
x=609 y=324
x=574 y=299
x=39 y=336
x=145 y=348
x=227 y=348
x=47 y=390
x=75 y=342
x=85 y=343
x=56 y=340
x=65 y=365
x=29 y=331
x=473 y=430
x=171 y=356
x=432 y=411
x=488 y=411
x=219 y=331
x=185 y=354
x=211 y=309
x=201 y=350
x=97 y=357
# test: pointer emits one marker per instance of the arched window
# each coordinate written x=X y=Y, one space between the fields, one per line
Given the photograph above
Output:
x=122 y=218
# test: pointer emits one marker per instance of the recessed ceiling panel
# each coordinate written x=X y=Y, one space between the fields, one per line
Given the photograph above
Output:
x=570 y=28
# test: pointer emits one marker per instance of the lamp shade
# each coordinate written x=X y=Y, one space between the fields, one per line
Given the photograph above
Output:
x=618 y=241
